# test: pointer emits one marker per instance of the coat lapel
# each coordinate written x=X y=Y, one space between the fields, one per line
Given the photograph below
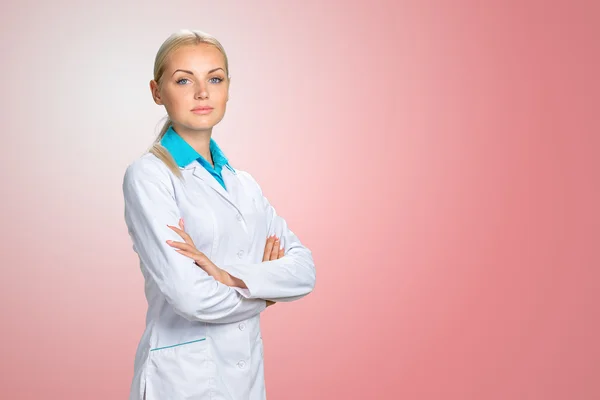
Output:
x=200 y=172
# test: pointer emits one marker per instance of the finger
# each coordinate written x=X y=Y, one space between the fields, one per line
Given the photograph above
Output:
x=195 y=254
x=275 y=250
x=181 y=245
x=176 y=229
x=179 y=231
x=281 y=253
x=197 y=257
x=268 y=248
x=183 y=234
x=186 y=253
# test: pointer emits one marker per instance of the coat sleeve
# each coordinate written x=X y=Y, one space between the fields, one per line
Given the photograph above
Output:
x=288 y=278
x=149 y=206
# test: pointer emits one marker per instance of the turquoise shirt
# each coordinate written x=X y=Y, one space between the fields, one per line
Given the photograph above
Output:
x=183 y=154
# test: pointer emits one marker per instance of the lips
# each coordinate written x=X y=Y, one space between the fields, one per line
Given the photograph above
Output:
x=202 y=110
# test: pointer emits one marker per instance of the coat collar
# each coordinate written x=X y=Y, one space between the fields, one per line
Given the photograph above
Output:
x=184 y=154
x=187 y=158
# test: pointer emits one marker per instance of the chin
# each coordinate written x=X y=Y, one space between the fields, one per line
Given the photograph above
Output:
x=200 y=127
x=200 y=124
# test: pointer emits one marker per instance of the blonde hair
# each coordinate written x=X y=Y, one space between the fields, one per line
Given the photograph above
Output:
x=178 y=39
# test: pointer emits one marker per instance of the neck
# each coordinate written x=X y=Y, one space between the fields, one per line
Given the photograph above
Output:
x=198 y=139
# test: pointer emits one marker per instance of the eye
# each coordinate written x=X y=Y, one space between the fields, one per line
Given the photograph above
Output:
x=182 y=79
x=216 y=77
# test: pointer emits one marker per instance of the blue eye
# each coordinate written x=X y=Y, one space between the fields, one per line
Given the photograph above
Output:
x=182 y=79
x=219 y=79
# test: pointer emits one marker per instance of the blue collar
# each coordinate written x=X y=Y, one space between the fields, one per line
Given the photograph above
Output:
x=184 y=154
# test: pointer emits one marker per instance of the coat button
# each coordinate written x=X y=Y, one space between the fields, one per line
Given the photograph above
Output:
x=240 y=253
x=242 y=326
x=241 y=364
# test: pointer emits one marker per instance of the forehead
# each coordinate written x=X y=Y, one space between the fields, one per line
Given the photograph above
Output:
x=199 y=57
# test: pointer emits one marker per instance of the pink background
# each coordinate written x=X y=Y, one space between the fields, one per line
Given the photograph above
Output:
x=440 y=159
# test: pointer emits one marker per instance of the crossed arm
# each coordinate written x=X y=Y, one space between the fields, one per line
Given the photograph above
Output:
x=272 y=251
x=205 y=292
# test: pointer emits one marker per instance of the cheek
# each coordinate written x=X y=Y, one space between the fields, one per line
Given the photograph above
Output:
x=220 y=98
x=174 y=103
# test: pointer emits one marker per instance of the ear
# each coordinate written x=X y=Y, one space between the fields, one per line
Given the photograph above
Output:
x=155 y=92
x=228 y=87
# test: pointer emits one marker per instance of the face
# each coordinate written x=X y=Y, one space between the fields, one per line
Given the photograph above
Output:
x=194 y=77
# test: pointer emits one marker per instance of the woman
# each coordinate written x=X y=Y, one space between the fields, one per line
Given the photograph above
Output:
x=213 y=251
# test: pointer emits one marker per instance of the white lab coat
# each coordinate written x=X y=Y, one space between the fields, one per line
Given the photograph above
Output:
x=202 y=338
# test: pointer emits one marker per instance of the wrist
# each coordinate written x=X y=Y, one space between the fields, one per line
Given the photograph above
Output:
x=225 y=278
x=232 y=281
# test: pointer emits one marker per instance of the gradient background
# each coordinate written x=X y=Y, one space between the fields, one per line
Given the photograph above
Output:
x=440 y=159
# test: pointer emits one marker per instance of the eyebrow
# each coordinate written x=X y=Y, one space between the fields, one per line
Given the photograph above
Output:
x=191 y=73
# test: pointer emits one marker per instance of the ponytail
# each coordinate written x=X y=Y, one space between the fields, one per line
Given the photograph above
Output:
x=162 y=153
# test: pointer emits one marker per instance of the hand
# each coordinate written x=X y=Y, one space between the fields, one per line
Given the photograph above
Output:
x=272 y=250
x=188 y=249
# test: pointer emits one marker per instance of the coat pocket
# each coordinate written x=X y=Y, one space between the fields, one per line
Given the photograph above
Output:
x=182 y=371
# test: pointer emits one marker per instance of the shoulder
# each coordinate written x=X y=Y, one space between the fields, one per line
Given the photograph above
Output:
x=247 y=179
x=147 y=169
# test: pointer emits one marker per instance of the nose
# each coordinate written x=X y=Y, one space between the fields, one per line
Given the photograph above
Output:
x=201 y=91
